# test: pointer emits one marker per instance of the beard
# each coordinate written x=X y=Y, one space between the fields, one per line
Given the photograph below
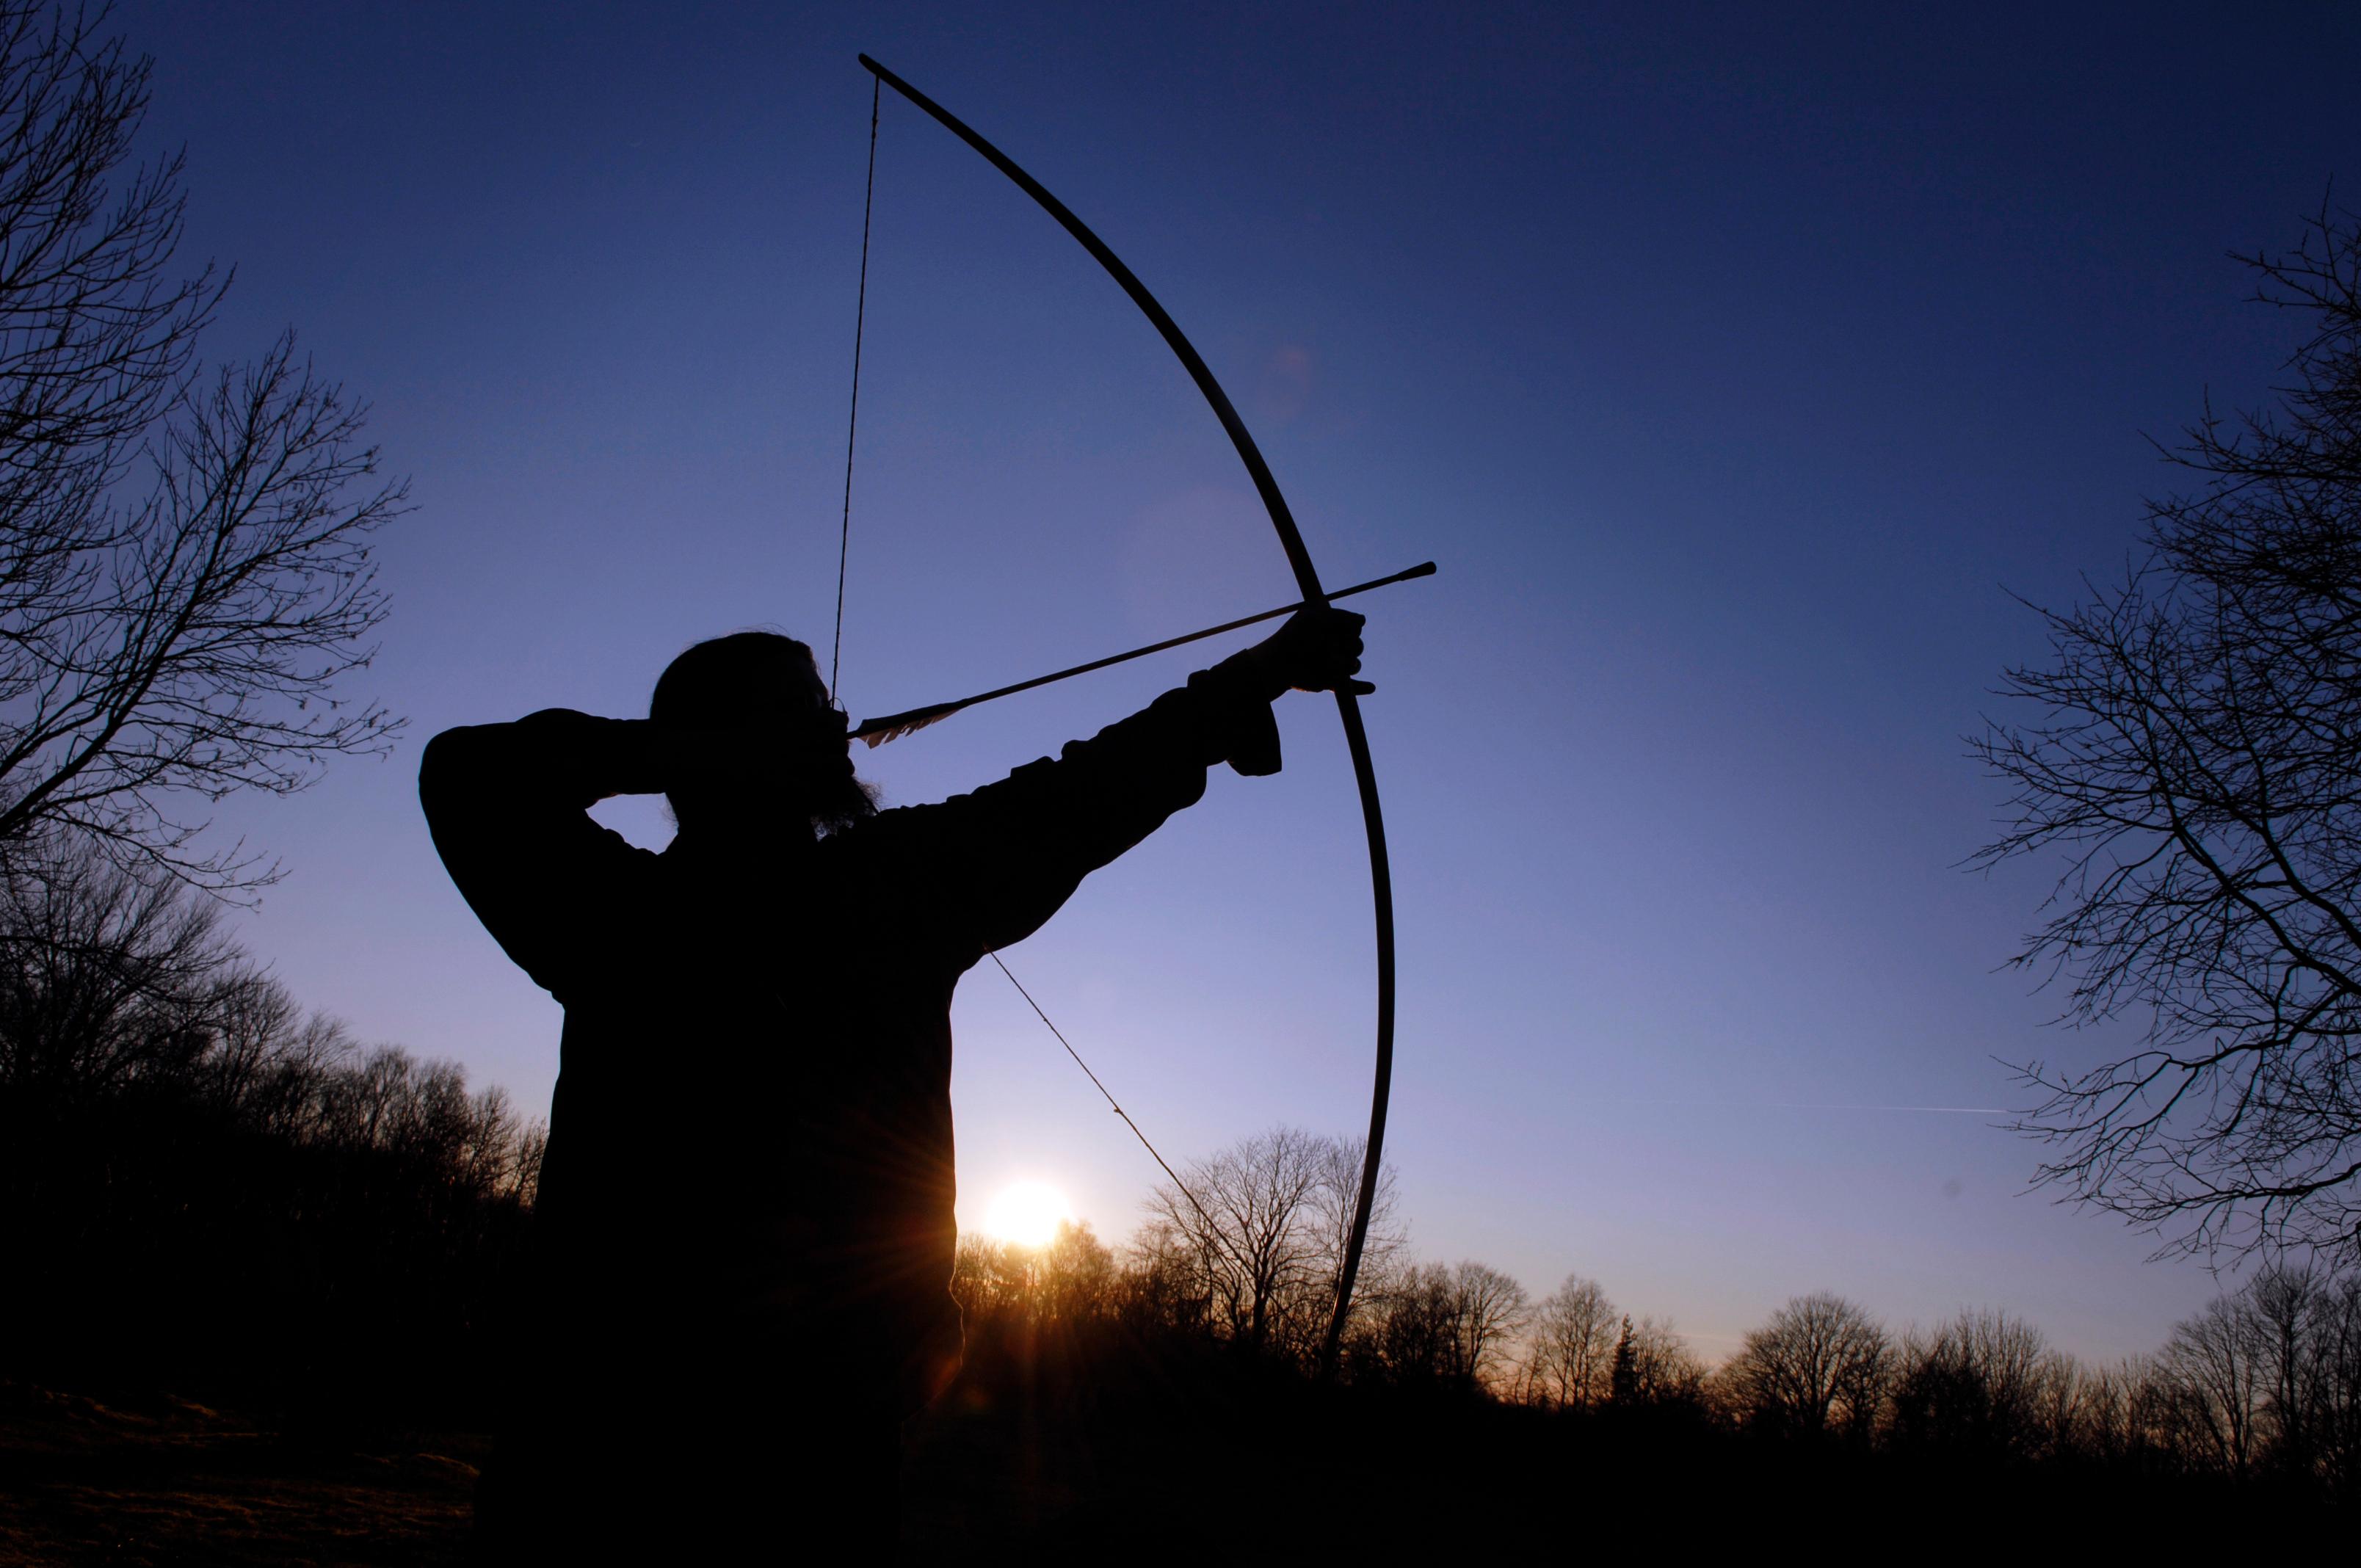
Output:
x=827 y=798
x=841 y=802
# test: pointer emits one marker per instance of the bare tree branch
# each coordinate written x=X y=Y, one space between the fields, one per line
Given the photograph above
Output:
x=2199 y=764
x=185 y=552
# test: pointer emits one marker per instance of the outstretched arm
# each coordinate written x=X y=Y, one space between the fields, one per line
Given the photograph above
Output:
x=1001 y=859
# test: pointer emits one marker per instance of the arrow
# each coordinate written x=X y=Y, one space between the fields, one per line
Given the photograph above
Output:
x=894 y=726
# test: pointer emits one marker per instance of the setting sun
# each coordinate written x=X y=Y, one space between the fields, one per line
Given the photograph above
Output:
x=1028 y=1212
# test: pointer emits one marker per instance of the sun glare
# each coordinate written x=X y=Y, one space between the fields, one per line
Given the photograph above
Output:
x=1028 y=1212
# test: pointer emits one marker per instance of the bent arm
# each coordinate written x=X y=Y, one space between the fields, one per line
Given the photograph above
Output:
x=508 y=808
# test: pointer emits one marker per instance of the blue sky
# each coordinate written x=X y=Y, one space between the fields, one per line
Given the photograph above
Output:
x=1736 y=364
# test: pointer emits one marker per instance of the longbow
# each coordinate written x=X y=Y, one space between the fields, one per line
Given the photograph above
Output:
x=1307 y=579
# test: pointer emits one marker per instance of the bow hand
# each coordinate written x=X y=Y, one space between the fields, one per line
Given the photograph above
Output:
x=1318 y=650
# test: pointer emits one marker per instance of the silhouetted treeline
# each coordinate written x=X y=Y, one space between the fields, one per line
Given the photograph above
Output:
x=200 y=1184
x=2259 y=1393
x=203 y=1187
x=2263 y=1385
x=1101 y=1413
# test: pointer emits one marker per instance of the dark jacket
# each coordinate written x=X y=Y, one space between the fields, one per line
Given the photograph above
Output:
x=750 y=1150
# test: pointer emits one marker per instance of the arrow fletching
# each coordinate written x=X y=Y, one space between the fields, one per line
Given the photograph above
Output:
x=876 y=732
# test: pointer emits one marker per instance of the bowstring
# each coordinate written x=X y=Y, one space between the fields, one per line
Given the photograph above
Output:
x=852 y=420
x=1211 y=1229
x=836 y=651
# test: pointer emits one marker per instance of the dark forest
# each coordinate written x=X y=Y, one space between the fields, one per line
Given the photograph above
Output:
x=247 y=1253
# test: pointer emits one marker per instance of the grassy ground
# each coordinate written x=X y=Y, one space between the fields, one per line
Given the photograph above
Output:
x=155 y=1480
x=163 y=1481
x=1147 y=1460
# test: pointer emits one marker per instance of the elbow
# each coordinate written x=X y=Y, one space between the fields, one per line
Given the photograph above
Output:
x=445 y=762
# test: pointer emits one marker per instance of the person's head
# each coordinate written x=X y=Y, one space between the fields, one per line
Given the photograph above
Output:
x=767 y=684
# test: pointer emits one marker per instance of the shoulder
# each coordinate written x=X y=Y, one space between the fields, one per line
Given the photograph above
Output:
x=912 y=842
x=889 y=832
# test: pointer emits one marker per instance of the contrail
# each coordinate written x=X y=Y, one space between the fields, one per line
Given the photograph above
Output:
x=1930 y=1109
x=1821 y=1105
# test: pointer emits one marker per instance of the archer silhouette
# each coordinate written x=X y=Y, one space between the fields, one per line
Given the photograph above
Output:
x=745 y=1222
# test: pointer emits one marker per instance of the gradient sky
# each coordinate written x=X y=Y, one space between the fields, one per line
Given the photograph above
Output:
x=1736 y=368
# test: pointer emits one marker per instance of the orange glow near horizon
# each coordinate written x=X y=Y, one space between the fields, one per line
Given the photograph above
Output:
x=1028 y=1213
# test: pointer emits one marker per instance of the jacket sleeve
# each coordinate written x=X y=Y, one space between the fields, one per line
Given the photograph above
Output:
x=509 y=807
x=994 y=865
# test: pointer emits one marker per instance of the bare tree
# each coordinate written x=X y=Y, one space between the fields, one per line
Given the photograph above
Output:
x=2286 y=1306
x=116 y=988
x=1070 y=1279
x=185 y=562
x=267 y=1058
x=1652 y=1364
x=1163 y=1283
x=1983 y=1383
x=2199 y=766
x=1077 y=1274
x=2213 y=1375
x=2061 y=1397
x=1256 y=1230
x=1573 y=1344
x=1409 y=1336
x=980 y=1278
x=1819 y=1368
x=2121 y=1414
x=106 y=979
x=1334 y=1199
x=2267 y=1378
x=1491 y=1309
x=1443 y=1325
x=419 y=1115
x=1248 y=1215
x=2337 y=1425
